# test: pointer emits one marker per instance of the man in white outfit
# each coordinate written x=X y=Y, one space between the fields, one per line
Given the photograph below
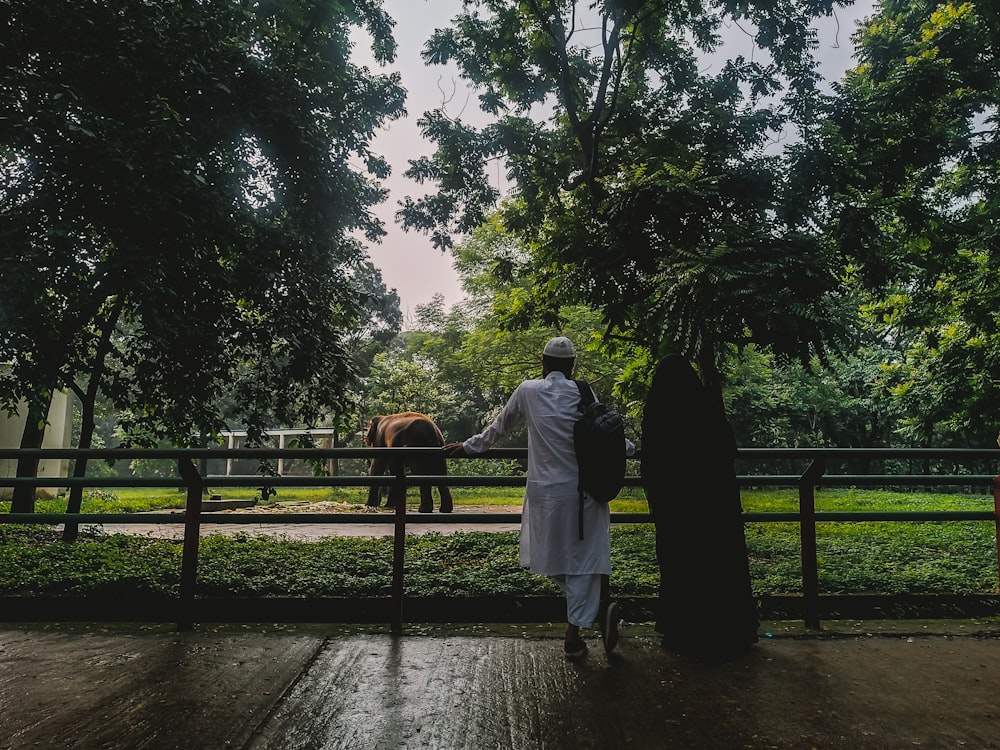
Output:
x=550 y=542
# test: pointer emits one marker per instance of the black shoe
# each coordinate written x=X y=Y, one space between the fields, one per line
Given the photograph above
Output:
x=609 y=627
x=575 y=649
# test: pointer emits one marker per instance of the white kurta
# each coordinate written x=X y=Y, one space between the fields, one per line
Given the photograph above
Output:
x=550 y=543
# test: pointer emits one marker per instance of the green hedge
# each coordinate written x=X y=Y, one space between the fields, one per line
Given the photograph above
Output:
x=858 y=558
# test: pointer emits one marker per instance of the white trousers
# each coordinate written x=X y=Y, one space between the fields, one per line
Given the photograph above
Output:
x=583 y=597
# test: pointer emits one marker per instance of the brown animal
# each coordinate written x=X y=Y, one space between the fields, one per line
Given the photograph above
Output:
x=408 y=429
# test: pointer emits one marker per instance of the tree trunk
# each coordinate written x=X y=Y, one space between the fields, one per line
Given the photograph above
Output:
x=88 y=402
x=87 y=428
x=23 y=500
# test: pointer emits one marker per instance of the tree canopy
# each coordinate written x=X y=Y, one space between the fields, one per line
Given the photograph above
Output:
x=183 y=189
x=907 y=163
x=647 y=191
x=650 y=185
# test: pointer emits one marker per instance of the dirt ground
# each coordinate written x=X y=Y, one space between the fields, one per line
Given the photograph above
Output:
x=854 y=685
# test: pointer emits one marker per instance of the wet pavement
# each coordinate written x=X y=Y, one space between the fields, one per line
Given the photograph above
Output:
x=855 y=685
x=867 y=685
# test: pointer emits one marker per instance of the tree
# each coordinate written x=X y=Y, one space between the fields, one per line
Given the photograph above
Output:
x=179 y=202
x=399 y=383
x=481 y=361
x=648 y=192
x=843 y=404
x=912 y=146
x=383 y=322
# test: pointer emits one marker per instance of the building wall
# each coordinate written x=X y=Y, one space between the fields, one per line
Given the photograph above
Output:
x=58 y=434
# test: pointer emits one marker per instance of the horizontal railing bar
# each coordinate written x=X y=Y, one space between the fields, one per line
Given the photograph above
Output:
x=240 y=453
x=324 y=453
x=792 y=480
x=845 y=453
x=461 y=518
x=413 y=480
x=257 y=481
x=260 y=518
x=904 y=515
x=286 y=518
x=458 y=480
x=836 y=516
x=96 y=482
x=840 y=480
x=755 y=480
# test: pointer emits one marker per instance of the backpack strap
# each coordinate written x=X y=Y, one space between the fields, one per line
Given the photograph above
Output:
x=587 y=397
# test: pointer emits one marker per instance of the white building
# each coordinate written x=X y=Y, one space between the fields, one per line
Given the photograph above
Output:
x=58 y=434
x=322 y=437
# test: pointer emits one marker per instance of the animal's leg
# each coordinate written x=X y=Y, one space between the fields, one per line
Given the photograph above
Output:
x=377 y=470
x=440 y=468
x=426 y=499
x=445 y=492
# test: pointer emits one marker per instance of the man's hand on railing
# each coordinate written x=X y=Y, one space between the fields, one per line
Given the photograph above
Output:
x=454 y=449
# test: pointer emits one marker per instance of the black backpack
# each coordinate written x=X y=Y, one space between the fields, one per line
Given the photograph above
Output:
x=599 y=441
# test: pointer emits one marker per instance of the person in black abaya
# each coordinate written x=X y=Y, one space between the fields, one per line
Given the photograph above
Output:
x=706 y=606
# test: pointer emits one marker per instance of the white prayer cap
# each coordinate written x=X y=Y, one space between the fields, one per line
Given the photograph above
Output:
x=560 y=347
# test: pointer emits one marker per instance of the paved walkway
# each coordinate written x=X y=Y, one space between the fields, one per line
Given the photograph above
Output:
x=254 y=521
x=855 y=685
x=306 y=688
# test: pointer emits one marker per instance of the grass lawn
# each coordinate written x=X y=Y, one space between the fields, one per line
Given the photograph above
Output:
x=854 y=558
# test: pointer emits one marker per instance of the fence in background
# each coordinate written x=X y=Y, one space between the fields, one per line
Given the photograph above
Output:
x=814 y=474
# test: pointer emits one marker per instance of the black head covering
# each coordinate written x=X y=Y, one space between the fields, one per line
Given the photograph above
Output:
x=681 y=426
x=676 y=392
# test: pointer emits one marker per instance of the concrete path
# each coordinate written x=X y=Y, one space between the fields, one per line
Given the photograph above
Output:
x=255 y=522
x=483 y=687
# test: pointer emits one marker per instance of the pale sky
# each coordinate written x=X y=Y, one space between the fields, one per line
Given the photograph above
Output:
x=408 y=261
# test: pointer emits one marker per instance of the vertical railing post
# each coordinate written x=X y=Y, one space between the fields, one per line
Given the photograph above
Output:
x=192 y=535
x=398 y=490
x=996 y=520
x=807 y=537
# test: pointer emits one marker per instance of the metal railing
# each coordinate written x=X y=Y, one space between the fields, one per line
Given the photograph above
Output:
x=189 y=478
